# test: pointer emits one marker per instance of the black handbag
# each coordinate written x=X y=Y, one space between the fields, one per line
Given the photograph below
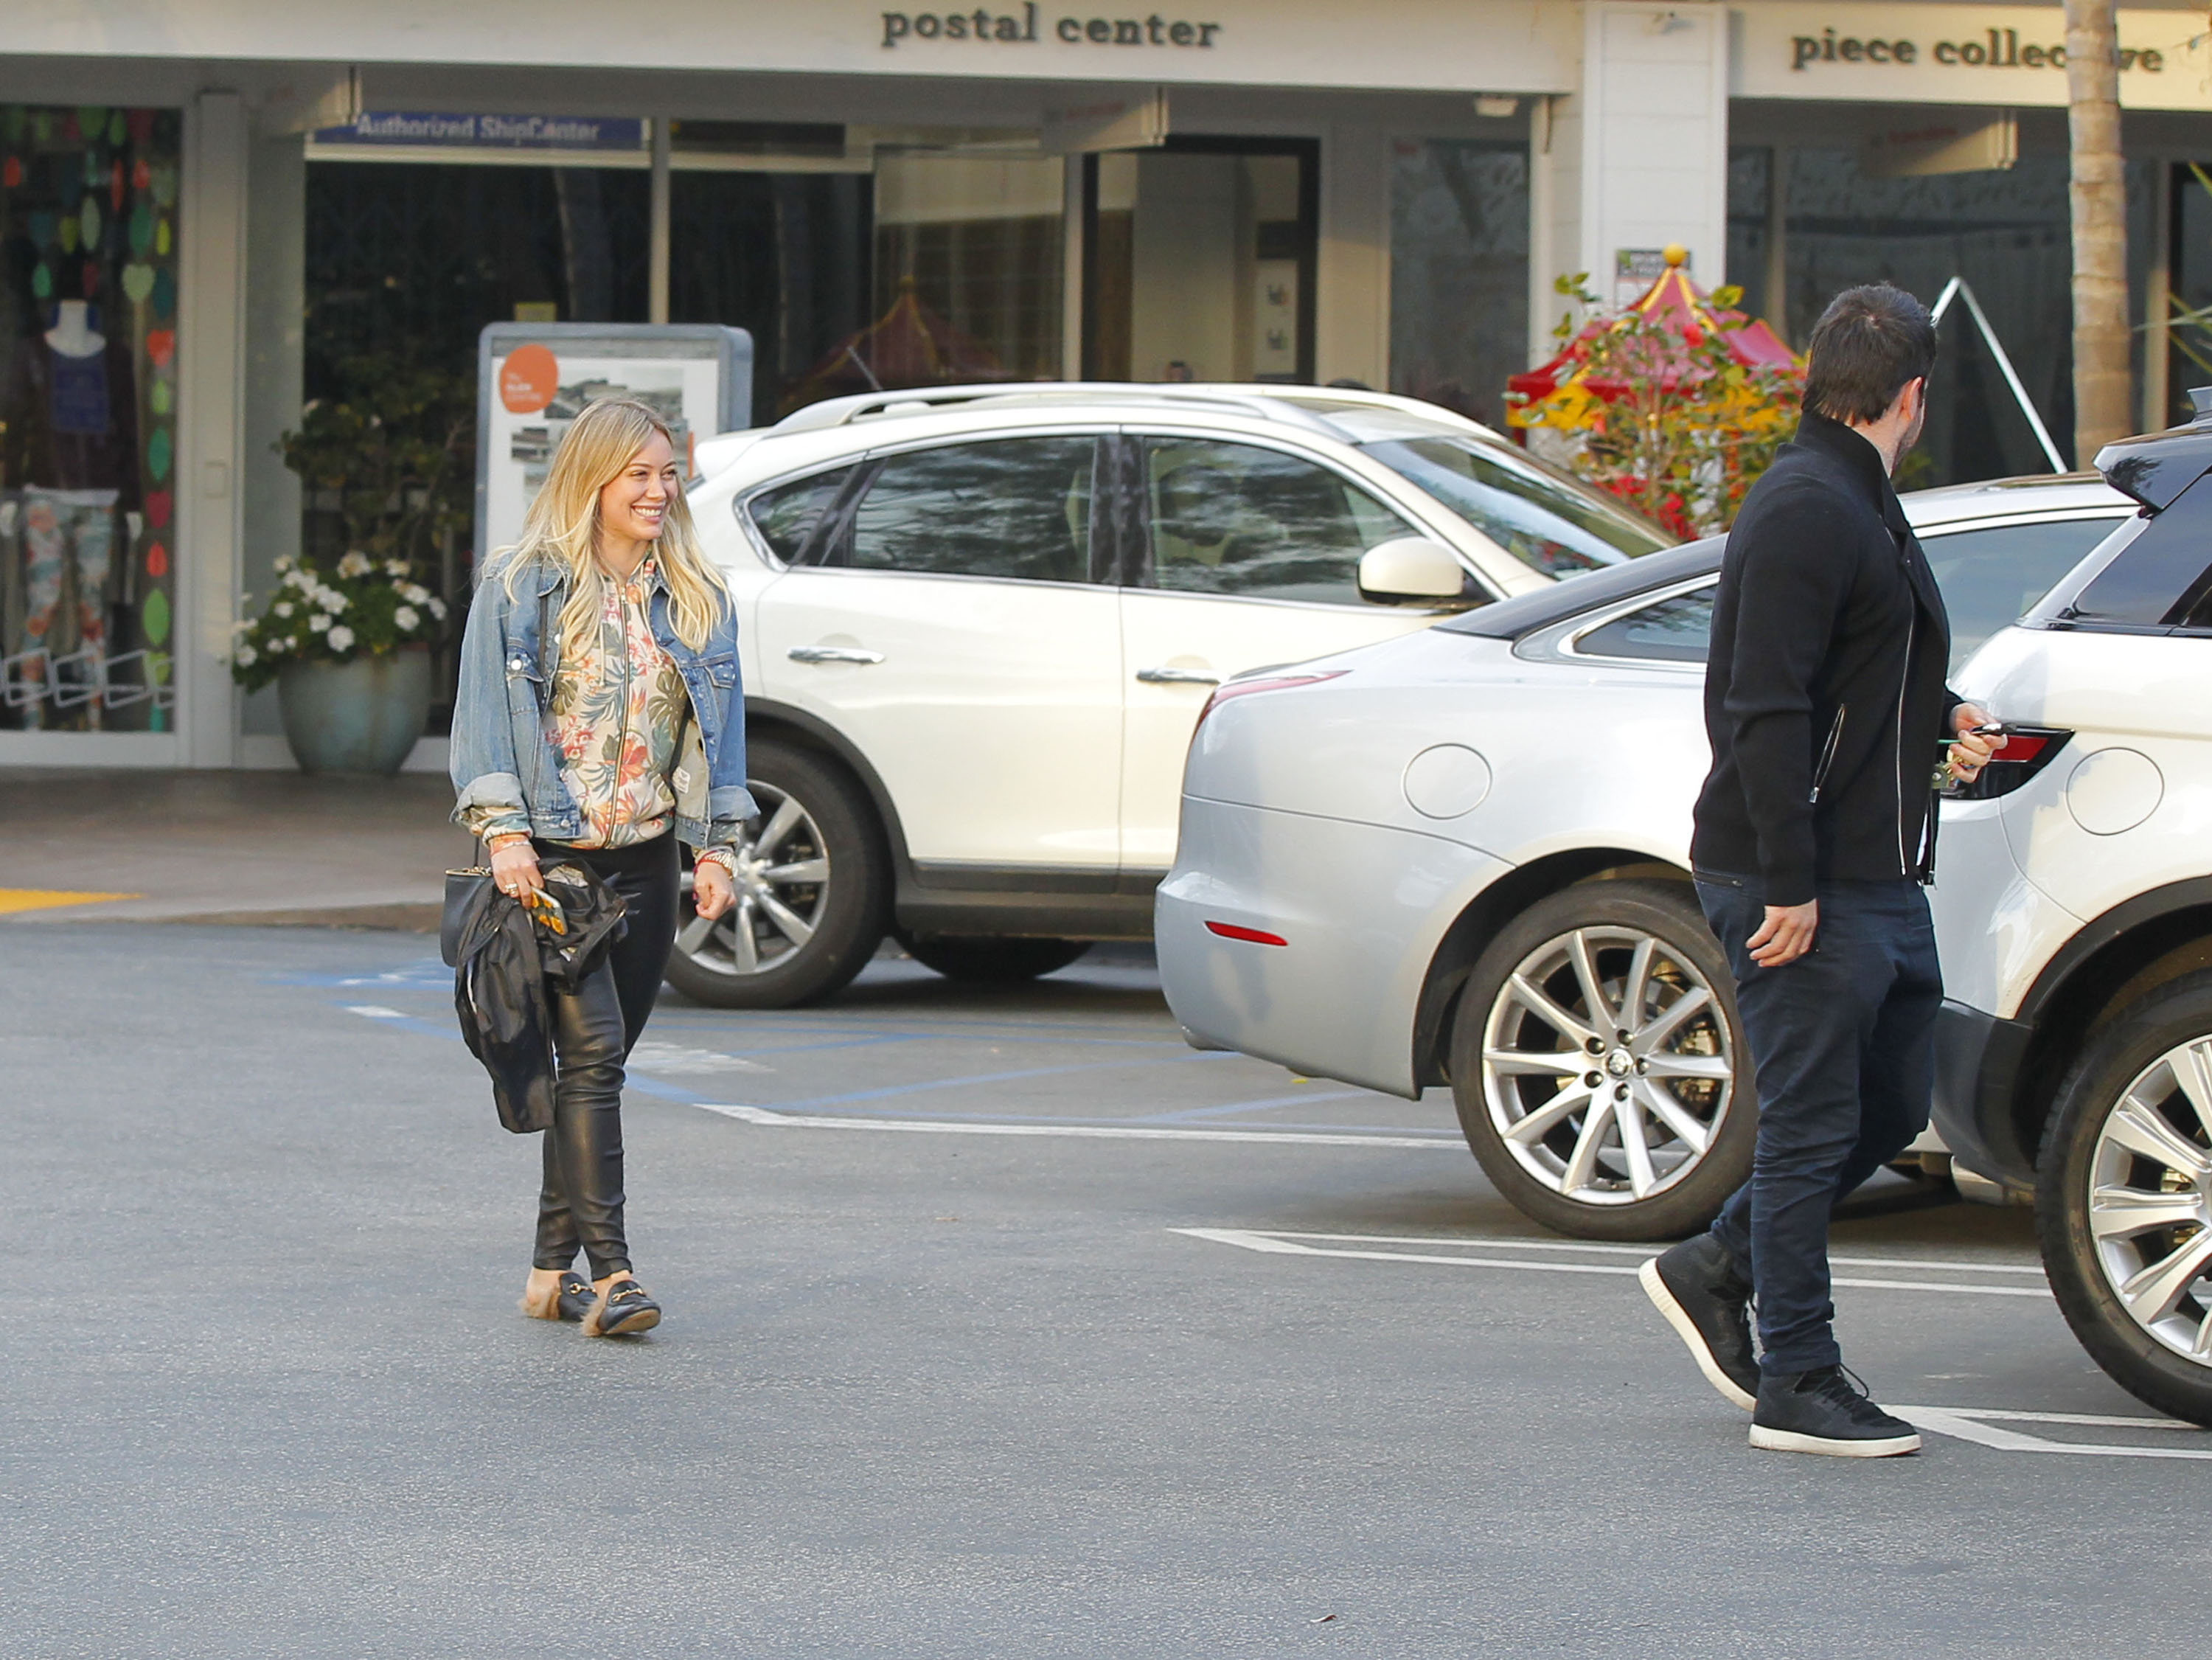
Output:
x=462 y=889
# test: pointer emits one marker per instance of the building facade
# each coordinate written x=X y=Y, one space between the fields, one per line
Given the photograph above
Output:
x=211 y=214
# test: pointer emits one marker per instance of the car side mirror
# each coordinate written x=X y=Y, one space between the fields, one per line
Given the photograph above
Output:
x=1411 y=570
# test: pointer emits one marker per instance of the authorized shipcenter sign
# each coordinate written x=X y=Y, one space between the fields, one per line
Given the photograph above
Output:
x=2002 y=55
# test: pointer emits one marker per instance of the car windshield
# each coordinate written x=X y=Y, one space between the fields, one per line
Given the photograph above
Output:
x=1560 y=527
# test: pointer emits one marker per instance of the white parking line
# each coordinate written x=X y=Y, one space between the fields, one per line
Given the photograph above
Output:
x=1086 y=1132
x=1969 y=1423
x=1286 y=1242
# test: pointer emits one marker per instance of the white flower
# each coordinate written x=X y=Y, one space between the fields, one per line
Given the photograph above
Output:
x=284 y=562
x=407 y=617
x=300 y=580
x=395 y=567
x=333 y=600
x=355 y=564
x=318 y=623
x=241 y=627
x=414 y=593
x=282 y=608
x=245 y=656
x=341 y=638
x=437 y=607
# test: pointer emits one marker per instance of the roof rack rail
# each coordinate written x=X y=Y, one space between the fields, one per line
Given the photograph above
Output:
x=1268 y=400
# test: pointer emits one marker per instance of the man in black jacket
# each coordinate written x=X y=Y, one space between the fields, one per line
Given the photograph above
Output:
x=1826 y=707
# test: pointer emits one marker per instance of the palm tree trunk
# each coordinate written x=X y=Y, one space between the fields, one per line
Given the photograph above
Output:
x=2098 y=195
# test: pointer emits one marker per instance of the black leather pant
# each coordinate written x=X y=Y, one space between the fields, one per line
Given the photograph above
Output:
x=594 y=1028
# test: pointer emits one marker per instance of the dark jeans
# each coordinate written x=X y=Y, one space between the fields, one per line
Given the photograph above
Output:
x=1842 y=1041
x=594 y=1028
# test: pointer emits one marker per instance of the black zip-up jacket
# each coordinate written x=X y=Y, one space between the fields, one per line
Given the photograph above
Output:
x=1825 y=697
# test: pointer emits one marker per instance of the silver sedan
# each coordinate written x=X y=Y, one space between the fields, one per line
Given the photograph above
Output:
x=1462 y=858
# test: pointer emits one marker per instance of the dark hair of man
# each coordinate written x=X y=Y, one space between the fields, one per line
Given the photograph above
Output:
x=1868 y=342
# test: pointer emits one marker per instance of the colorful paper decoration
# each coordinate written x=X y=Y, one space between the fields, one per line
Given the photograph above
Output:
x=157 y=558
x=158 y=396
x=115 y=186
x=161 y=346
x=158 y=503
x=164 y=184
x=11 y=171
x=165 y=294
x=91 y=279
x=69 y=228
x=42 y=282
x=141 y=177
x=141 y=123
x=158 y=454
x=88 y=224
x=138 y=283
x=43 y=226
x=161 y=239
x=141 y=226
x=115 y=128
x=154 y=615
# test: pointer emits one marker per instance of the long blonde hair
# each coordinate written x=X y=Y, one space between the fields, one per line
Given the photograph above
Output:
x=561 y=528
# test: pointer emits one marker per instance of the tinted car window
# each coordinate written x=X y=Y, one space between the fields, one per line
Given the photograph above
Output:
x=2152 y=582
x=1557 y=524
x=788 y=514
x=1990 y=577
x=1243 y=519
x=1671 y=630
x=1010 y=508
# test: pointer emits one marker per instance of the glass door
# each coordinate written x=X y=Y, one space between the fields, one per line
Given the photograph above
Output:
x=1199 y=261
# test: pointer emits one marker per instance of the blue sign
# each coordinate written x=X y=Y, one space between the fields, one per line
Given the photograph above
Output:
x=409 y=129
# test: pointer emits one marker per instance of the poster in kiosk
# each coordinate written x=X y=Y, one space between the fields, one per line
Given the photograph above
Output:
x=533 y=379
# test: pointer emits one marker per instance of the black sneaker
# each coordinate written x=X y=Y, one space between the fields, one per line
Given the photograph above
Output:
x=1826 y=1411
x=1707 y=1300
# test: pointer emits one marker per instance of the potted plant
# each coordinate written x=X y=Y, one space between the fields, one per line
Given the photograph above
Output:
x=347 y=639
x=349 y=653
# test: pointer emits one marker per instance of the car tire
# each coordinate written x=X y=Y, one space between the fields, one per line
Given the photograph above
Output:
x=1626 y=1163
x=993 y=962
x=812 y=884
x=2123 y=1188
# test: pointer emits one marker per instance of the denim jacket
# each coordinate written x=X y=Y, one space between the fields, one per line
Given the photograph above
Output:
x=502 y=750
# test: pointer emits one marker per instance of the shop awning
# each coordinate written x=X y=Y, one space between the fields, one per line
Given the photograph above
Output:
x=1560 y=393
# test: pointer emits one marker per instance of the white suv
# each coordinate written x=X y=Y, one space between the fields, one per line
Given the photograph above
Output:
x=978 y=625
x=2073 y=908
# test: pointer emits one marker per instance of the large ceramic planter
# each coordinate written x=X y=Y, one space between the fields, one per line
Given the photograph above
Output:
x=361 y=716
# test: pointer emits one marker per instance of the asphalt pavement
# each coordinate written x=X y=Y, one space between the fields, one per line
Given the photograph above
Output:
x=999 y=1324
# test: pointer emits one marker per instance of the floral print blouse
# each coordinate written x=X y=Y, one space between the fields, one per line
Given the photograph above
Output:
x=616 y=716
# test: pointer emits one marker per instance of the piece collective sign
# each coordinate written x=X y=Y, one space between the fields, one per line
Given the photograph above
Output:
x=1959 y=54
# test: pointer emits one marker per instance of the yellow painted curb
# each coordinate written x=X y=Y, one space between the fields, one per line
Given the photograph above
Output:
x=12 y=899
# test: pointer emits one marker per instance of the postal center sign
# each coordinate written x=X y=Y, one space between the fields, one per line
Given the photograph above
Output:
x=2002 y=55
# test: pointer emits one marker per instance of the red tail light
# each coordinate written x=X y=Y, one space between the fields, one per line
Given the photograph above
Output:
x=1251 y=936
x=2027 y=750
x=1264 y=683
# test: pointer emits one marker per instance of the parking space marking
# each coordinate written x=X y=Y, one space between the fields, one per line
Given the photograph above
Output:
x=780 y=1118
x=1975 y=1424
x=1286 y=1242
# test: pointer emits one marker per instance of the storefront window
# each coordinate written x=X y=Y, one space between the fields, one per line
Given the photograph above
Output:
x=1202 y=262
x=967 y=270
x=2005 y=231
x=1459 y=272
x=88 y=220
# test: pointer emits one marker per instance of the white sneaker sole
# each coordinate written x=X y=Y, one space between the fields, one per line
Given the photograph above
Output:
x=1693 y=1339
x=1790 y=1441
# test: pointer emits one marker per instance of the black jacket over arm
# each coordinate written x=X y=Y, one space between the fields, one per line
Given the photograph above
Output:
x=1825 y=694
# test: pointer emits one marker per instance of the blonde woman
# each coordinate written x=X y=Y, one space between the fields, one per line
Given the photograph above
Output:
x=598 y=721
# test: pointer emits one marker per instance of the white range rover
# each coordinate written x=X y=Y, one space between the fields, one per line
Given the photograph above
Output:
x=977 y=626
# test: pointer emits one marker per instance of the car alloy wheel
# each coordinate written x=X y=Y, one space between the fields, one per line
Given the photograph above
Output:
x=2150 y=1199
x=810 y=885
x=2124 y=1198
x=1595 y=1060
x=782 y=884
x=1606 y=1066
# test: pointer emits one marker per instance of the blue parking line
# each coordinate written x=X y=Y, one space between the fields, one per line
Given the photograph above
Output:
x=975 y=1078
x=1235 y=1107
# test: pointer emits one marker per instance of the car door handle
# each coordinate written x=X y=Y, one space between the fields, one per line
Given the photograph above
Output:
x=833 y=654
x=1178 y=678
